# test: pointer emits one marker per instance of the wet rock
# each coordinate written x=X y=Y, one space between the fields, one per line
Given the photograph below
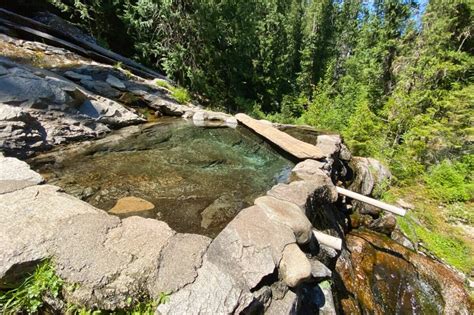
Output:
x=294 y=268
x=131 y=204
x=172 y=276
x=16 y=174
x=115 y=82
x=288 y=305
x=374 y=265
x=385 y=224
x=289 y=214
x=402 y=239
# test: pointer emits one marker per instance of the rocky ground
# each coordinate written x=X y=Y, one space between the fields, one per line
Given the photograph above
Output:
x=265 y=260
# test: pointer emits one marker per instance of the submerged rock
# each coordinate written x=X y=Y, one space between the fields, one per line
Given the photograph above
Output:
x=131 y=204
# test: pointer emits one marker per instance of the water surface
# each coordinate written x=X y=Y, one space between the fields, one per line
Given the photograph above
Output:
x=198 y=178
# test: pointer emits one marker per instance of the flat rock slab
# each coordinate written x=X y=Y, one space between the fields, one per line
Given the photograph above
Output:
x=16 y=174
x=29 y=219
x=297 y=148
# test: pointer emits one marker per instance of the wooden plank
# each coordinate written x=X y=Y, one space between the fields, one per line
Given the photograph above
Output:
x=297 y=148
x=371 y=201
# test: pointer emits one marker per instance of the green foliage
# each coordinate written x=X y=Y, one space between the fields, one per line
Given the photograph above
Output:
x=28 y=297
x=180 y=94
x=448 y=182
x=165 y=84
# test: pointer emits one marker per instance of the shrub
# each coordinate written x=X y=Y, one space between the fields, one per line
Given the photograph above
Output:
x=447 y=182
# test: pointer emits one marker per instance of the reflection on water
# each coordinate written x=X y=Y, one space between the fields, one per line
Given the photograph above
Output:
x=198 y=178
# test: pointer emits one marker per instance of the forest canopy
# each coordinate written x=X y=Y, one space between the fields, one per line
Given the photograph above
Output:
x=394 y=77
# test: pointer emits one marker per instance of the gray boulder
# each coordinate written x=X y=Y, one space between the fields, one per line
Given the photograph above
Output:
x=288 y=214
x=21 y=134
x=109 y=260
x=309 y=170
x=295 y=267
x=369 y=174
x=385 y=224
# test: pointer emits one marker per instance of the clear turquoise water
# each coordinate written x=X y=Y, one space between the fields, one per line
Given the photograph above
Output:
x=180 y=168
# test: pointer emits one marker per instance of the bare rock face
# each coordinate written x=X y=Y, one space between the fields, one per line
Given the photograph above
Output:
x=108 y=259
x=180 y=261
x=288 y=305
x=374 y=265
x=300 y=192
x=40 y=109
x=21 y=134
x=309 y=170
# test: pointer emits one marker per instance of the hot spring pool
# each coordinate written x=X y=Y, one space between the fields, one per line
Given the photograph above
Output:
x=197 y=178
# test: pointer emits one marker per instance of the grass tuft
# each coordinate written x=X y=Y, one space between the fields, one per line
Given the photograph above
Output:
x=28 y=297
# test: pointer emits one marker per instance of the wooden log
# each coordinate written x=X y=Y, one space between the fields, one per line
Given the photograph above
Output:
x=294 y=147
x=371 y=201
x=328 y=240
